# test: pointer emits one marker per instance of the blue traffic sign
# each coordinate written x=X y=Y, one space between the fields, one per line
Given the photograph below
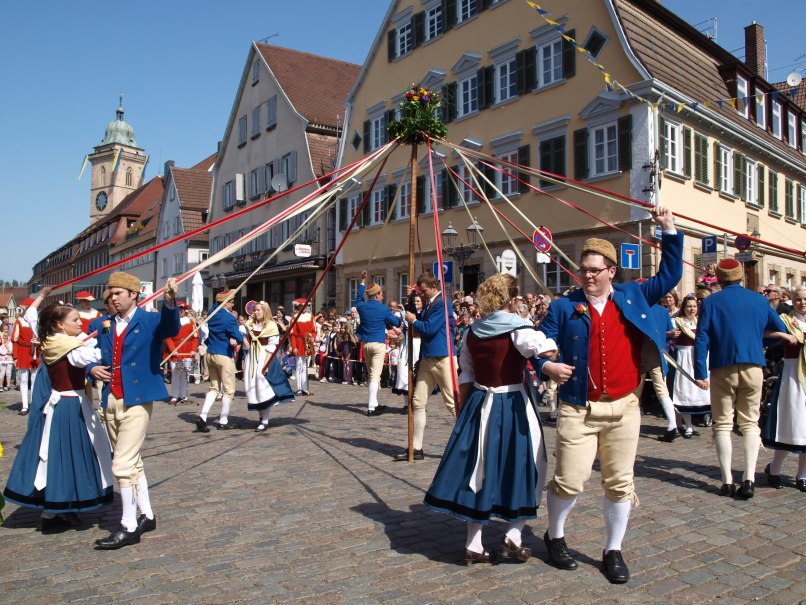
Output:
x=629 y=256
x=658 y=232
x=709 y=244
x=743 y=242
x=447 y=271
x=542 y=239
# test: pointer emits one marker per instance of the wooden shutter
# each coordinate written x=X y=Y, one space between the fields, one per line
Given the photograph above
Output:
x=487 y=188
x=761 y=186
x=738 y=175
x=442 y=201
x=367 y=141
x=717 y=166
x=391 y=190
x=391 y=45
x=481 y=87
x=343 y=220
x=449 y=101
x=418 y=28
x=292 y=167
x=687 y=151
x=452 y=193
x=524 y=160
x=530 y=68
x=546 y=160
x=365 y=213
x=663 y=143
x=569 y=56
x=520 y=70
x=421 y=201
x=387 y=119
x=581 y=154
x=625 y=143
x=449 y=13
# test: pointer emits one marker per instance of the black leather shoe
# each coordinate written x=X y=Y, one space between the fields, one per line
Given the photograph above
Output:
x=558 y=553
x=22 y=413
x=615 y=569
x=224 y=427
x=201 y=426
x=669 y=436
x=145 y=524
x=747 y=490
x=801 y=484
x=118 y=539
x=377 y=411
x=512 y=553
x=478 y=557
x=727 y=489
x=404 y=455
x=773 y=481
x=71 y=519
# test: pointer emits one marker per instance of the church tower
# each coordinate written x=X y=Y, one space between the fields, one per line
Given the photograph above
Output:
x=117 y=167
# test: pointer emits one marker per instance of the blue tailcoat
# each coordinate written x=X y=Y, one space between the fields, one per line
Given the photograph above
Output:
x=431 y=326
x=375 y=316
x=571 y=329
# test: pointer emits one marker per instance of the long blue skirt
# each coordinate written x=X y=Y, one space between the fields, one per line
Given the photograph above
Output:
x=278 y=380
x=74 y=476
x=512 y=485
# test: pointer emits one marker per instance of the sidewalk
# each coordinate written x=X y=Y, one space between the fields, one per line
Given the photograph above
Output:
x=315 y=510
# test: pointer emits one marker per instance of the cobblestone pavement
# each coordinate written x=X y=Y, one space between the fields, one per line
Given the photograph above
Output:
x=315 y=510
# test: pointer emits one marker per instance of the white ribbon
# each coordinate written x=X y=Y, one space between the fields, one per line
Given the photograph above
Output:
x=477 y=477
x=97 y=434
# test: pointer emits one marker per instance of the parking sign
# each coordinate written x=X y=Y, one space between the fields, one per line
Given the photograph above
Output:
x=709 y=244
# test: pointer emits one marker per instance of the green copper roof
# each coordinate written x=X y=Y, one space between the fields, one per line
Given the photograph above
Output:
x=119 y=130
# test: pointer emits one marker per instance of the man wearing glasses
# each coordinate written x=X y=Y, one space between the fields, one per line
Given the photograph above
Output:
x=773 y=294
x=601 y=330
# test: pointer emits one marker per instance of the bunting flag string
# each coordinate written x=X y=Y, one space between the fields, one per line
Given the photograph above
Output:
x=611 y=83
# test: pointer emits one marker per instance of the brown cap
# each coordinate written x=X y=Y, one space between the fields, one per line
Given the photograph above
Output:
x=729 y=269
x=600 y=246
x=373 y=289
x=127 y=281
x=221 y=296
x=105 y=296
x=702 y=293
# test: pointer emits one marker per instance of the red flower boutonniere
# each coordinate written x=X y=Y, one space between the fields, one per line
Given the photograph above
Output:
x=106 y=325
x=581 y=309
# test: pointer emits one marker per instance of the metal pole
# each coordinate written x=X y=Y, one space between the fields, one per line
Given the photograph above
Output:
x=410 y=331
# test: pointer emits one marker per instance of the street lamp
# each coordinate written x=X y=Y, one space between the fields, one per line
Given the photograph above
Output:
x=463 y=251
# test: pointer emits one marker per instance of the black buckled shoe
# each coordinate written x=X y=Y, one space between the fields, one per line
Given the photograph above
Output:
x=404 y=455
x=558 y=553
x=144 y=524
x=800 y=484
x=118 y=539
x=512 y=553
x=201 y=426
x=223 y=427
x=477 y=557
x=727 y=489
x=669 y=436
x=615 y=569
x=747 y=490
x=773 y=481
x=376 y=411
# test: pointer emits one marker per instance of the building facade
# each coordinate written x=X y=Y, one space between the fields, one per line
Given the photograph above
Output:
x=515 y=89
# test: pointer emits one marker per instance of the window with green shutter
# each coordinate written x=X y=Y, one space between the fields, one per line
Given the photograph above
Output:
x=773 y=191
x=701 y=158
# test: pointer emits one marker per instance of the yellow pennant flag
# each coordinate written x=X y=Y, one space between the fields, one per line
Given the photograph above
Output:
x=83 y=166
x=732 y=103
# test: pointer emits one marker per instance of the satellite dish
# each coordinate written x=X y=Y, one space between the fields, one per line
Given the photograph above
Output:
x=794 y=79
x=279 y=183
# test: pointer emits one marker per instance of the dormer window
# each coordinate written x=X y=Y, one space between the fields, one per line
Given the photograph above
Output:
x=741 y=96
x=775 y=124
x=792 y=129
x=761 y=109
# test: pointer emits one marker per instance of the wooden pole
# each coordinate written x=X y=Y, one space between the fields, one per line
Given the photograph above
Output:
x=410 y=331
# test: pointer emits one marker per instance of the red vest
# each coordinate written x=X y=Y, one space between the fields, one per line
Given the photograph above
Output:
x=64 y=376
x=116 y=385
x=496 y=361
x=614 y=354
x=188 y=349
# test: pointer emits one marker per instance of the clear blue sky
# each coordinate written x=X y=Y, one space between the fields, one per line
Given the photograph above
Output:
x=179 y=63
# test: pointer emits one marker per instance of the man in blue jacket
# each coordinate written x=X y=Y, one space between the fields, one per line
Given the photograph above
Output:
x=375 y=317
x=131 y=352
x=731 y=325
x=601 y=330
x=434 y=367
x=223 y=336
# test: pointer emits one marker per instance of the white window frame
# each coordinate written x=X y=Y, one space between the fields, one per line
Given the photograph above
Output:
x=792 y=129
x=178 y=264
x=177 y=225
x=466 y=185
x=508 y=185
x=674 y=147
x=352 y=289
x=271 y=112
x=404 y=37
x=605 y=151
x=554 y=48
x=435 y=23
x=802 y=203
x=376 y=214
x=242 y=130
x=726 y=163
x=742 y=92
x=776 y=124
x=803 y=136
x=506 y=81
x=761 y=109
x=228 y=195
x=428 y=205
x=256 y=121
x=468 y=93
x=165 y=266
x=402 y=283
x=465 y=9
x=751 y=181
x=379 y=280
x=403 y=208
x=376 y=132
x=353 y=203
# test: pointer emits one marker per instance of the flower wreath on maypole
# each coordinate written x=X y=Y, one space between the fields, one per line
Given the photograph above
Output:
x=418 y=124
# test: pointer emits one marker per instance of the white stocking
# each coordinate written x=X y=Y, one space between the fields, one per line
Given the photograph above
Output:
x=419 y=428
x=373 y=395
x=143 y=499
x=264 y=416
x=558 y=509
x=22 y=380
x=474 y=537
x=668 y=411
x=515 y=530
x=129 y=504
x=209 y=400
x=778 y=461
x=616 y=515
x=724 y=451
x=223 y=418
x=752 y=443
x=801 y=467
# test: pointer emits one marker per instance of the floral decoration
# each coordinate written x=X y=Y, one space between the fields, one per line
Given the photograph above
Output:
x=581 y=309
x=106 y=324
x=418 y=121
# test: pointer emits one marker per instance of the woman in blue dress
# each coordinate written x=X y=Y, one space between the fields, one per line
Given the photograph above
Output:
x=64 y=464
x=495 y=462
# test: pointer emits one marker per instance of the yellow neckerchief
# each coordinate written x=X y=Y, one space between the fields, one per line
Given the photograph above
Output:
x=793 y=327
x=57 y=346
x=255 y=347
x=684 y=328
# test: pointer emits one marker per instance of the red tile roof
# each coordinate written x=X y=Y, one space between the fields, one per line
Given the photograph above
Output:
x=800 y=93
x=317 y=86
x=206 y=163
x=132 y=206
x=193 y=188
x=324 y=151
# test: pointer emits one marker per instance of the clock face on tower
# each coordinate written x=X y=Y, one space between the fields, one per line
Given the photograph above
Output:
x=100 y=201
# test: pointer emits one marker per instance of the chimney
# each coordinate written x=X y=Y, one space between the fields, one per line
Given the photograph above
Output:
x=168 y=165
x=754 y=54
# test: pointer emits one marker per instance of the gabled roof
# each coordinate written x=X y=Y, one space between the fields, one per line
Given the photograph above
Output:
x=193 y=189
x=316 y=86
x=323 y=153
x=132 y=206
x=6 y=299
x=800 y=93
x=207 y=163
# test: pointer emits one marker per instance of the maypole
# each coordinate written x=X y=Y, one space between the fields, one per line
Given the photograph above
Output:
x=416 y=125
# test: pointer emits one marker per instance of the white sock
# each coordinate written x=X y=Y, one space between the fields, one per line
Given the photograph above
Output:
x=373 y=395
x=209 y=400
x=127 y=499
x=616 y=515
x=752 y=443
x=558 y=509
x=143 y=500
x=778 y=461
x=474 y=537
x=801 y=467
x=419 y=428
x=264 y=416
x=223 y=418
x=724 y=450
x=22 y=380
x=668 y=411
x=515 y=530
x=687 y=420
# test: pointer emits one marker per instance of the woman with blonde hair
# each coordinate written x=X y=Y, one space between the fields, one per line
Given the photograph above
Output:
x=495 y=462
x=263 y=390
